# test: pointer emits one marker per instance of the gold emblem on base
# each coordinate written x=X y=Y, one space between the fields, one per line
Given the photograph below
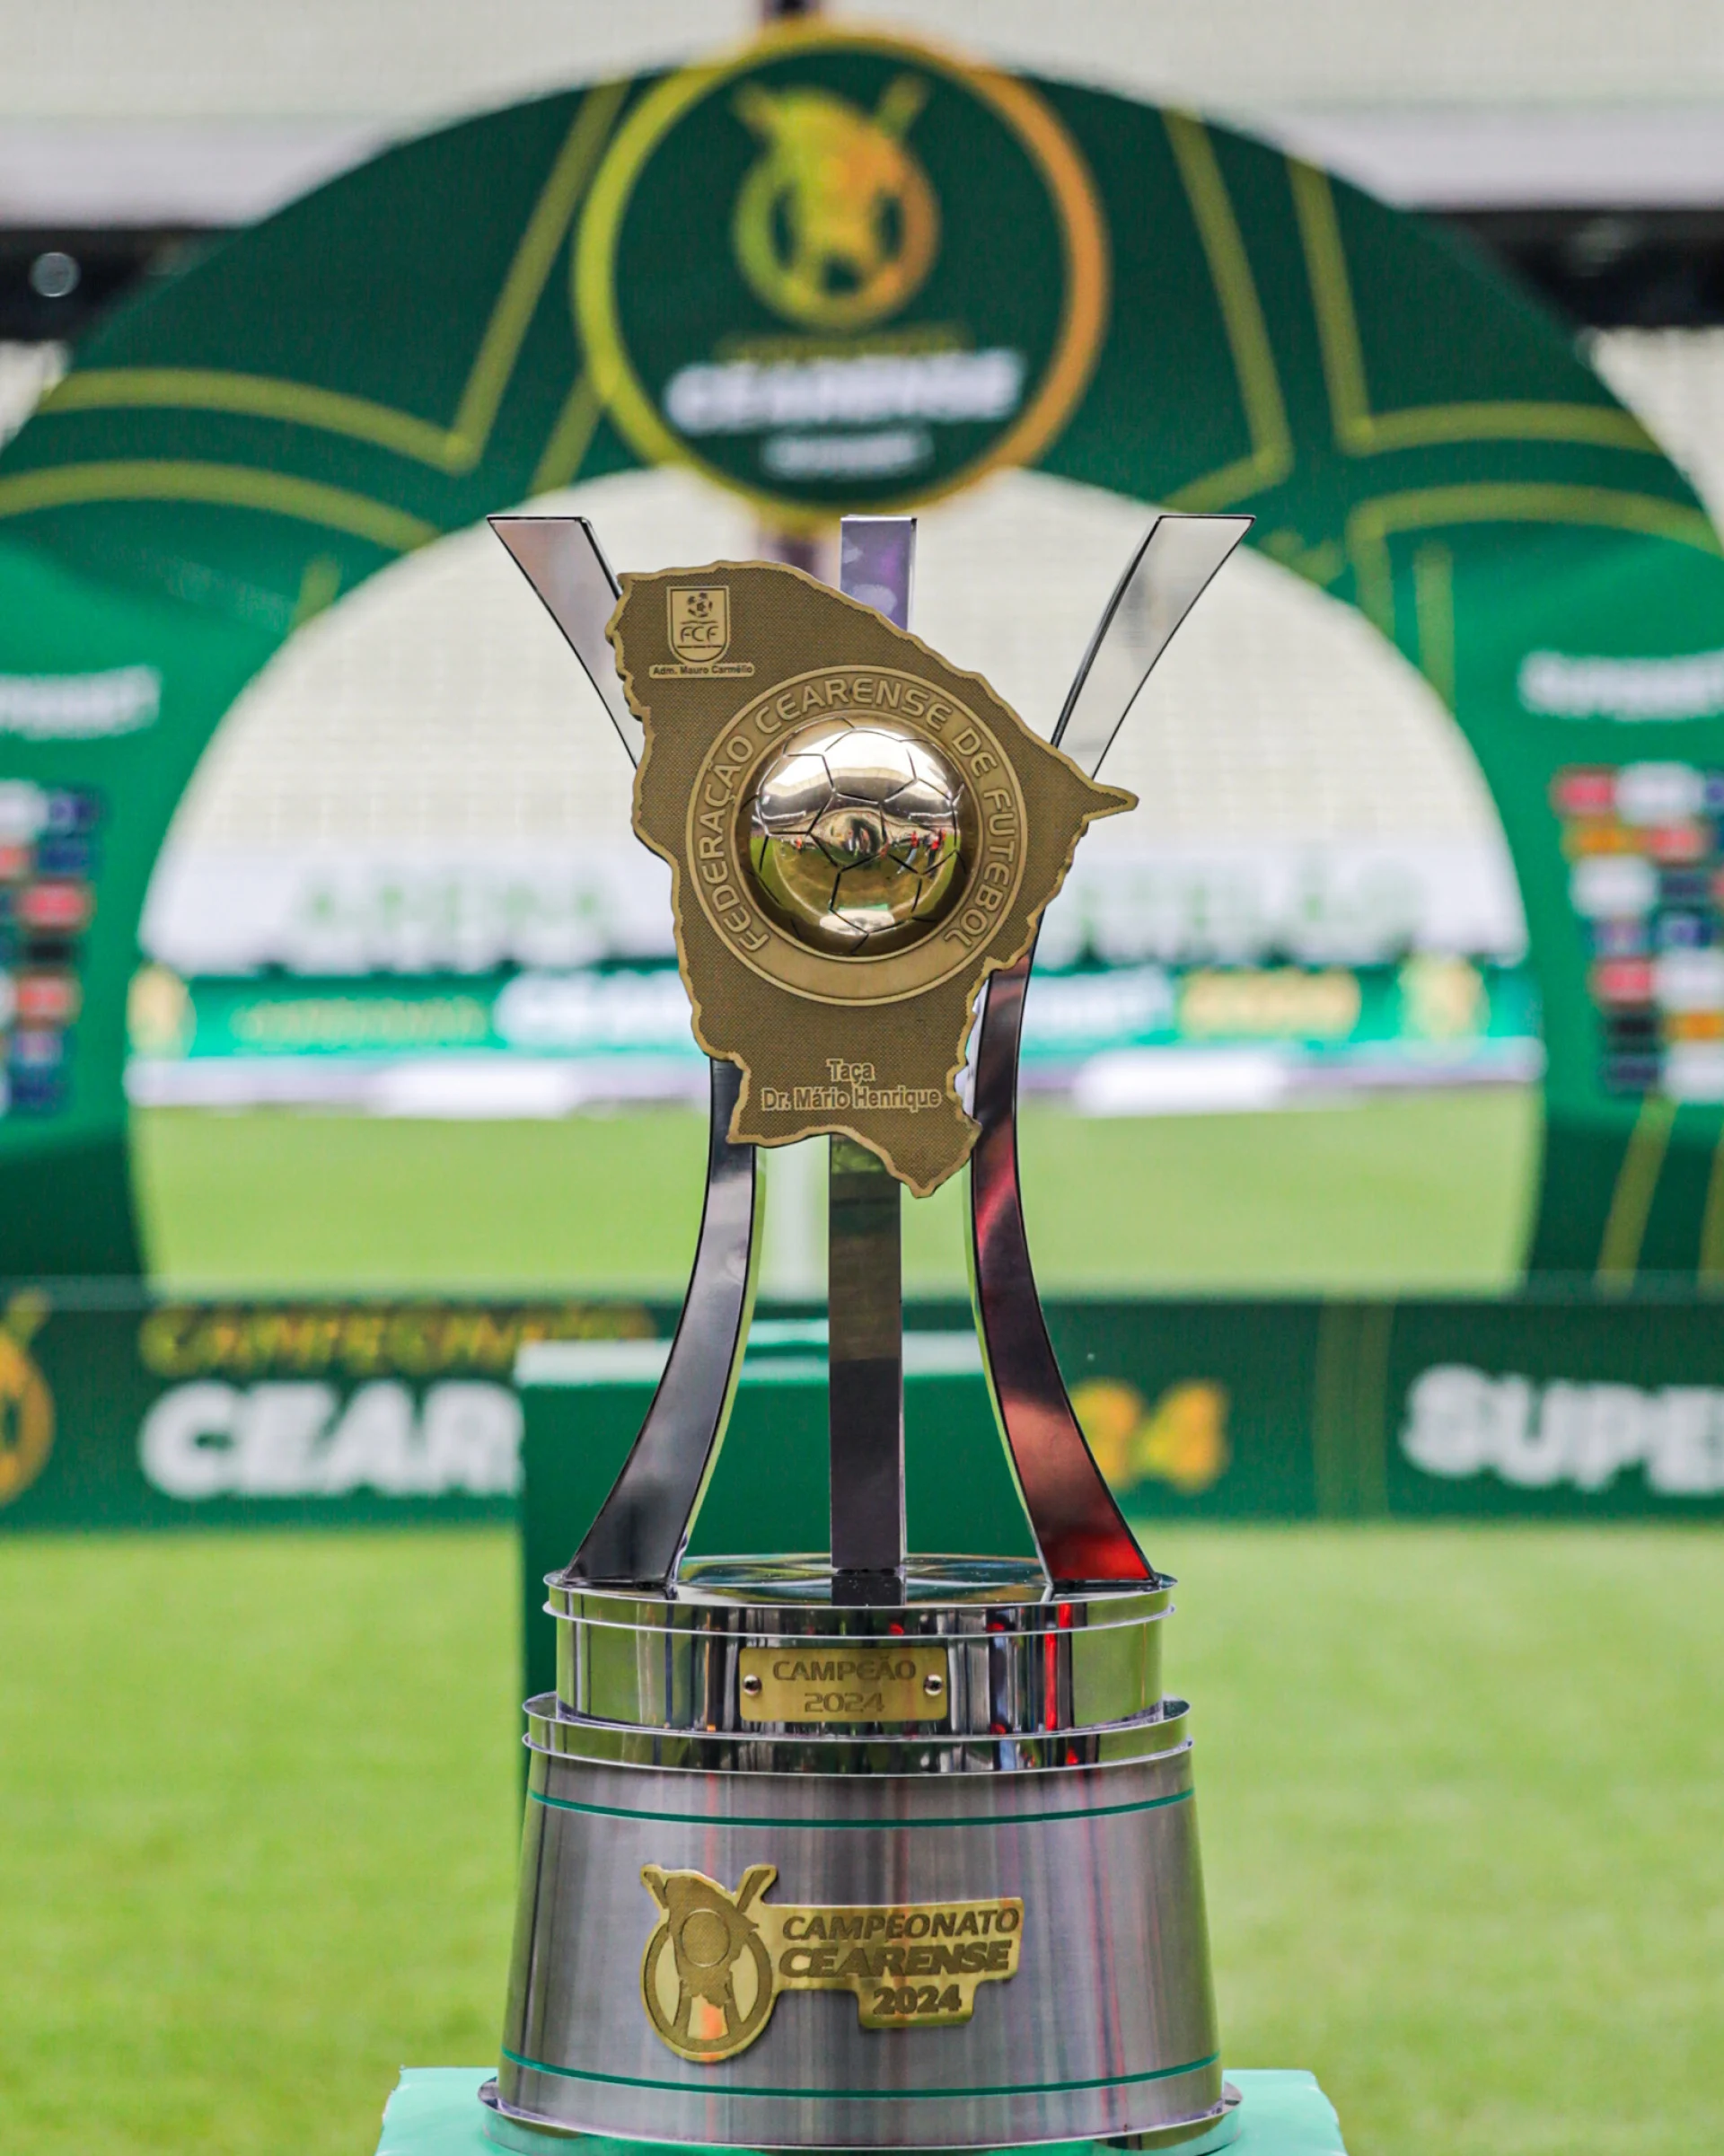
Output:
x=716 y=1962
x=855 y=847
x=706 y=1978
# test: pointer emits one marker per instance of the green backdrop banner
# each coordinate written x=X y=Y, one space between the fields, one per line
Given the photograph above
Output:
x=1531 y=1409
x=842 y=272
x=121 y=1412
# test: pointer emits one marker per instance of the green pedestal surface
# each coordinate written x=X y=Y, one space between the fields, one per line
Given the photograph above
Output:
x=434 y=2111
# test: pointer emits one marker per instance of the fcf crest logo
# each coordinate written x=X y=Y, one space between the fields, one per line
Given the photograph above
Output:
x=701 y=623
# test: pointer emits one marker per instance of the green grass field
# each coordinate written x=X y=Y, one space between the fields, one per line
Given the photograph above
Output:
x=1459 y=1787
x=1426 y=1192
x=1460 y=1811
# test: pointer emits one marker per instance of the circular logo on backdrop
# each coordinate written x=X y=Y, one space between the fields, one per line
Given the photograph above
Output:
x=26 y=1405
x=841 y=273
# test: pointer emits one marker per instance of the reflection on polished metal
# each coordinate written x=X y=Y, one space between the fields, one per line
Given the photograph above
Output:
x=864 y=1384
x=1077 y=1527
x=1163 y=581
x=856 y=836
x=1007 y=1665
x=866 y=1849
x=643 y=1525
x=1009 y=1887
x=866 y=1373
x=560 y=556
x=640 y=1532
x=1225 y=2130
x=876 y=564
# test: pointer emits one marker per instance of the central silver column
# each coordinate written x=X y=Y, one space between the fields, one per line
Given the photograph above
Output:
x=866 y=1412
x=865 y=1233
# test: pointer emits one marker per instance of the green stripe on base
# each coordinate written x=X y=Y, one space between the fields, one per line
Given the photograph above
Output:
x=896 y=2096
x=1099 y=1811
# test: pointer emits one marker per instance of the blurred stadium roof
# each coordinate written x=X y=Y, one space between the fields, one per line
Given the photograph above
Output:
x=202 y=113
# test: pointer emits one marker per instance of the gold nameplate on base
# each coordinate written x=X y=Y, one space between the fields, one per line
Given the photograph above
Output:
x=808 y=1685
x=714 y=1967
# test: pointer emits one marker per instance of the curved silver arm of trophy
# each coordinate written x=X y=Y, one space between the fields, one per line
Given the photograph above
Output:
x=1162 y=582
x=1080 y=1529
x=865 y=1386
x=643 y=1525
x=560 y=556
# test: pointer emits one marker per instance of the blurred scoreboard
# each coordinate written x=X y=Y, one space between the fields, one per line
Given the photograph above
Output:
x=48 y=838
x=1646 y=876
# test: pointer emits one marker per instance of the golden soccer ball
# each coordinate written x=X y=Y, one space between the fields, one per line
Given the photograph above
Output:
x=856 y=836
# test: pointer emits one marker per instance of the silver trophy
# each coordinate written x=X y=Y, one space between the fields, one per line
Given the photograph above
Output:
x=949 y=1793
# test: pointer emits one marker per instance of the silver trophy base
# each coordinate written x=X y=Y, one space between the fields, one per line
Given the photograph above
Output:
x=1095 y=2018
x=1187 y=2138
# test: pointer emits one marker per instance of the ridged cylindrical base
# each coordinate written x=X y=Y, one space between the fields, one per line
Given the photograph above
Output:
x=1106 y=2025
x=802 y=1872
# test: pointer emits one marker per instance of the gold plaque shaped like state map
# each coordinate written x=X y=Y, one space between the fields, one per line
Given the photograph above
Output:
x=858 y=833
